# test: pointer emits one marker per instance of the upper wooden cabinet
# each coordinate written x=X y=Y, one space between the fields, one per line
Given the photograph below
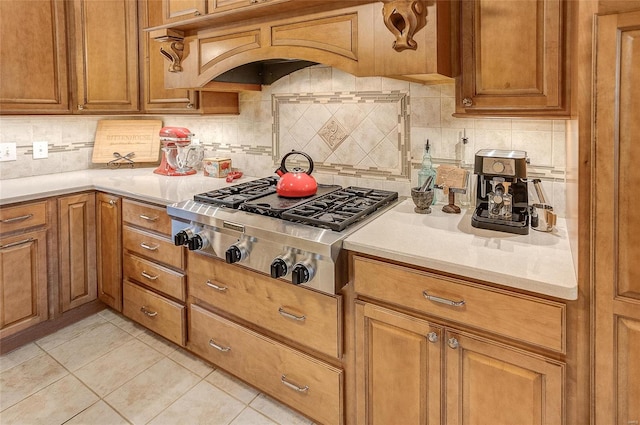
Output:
x=106 y=55
x=33 y=54
x=514 y=58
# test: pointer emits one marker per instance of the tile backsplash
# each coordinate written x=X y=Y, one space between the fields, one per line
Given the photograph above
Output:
x=360 y=131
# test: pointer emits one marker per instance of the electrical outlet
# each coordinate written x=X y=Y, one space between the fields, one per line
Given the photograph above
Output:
x=8 y=152
x=40 y=150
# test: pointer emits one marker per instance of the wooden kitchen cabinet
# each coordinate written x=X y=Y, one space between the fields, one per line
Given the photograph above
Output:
x=616 y=223
x=428 y=352
x=154 y=271
x=77 y=250
x=109 y=249
x=106 y=55
x=33 y=53
x=514 y=58
x=23 y=267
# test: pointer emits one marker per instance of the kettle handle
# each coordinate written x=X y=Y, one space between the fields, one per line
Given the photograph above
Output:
x=283 y=168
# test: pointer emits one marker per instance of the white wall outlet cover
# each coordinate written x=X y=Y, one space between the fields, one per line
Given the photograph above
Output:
x=40 y=150
x=8 y=151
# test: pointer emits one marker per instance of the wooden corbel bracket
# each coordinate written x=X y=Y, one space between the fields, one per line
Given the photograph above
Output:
x=404 y=18
x=172 y=47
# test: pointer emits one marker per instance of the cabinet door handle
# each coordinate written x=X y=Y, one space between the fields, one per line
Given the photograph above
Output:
x=10 y=245
x=148 y=276
x=293 y=386
x=149 y=247
x=432 y=337
x=443 y=300
x=467 y=102
x=288 y=315
x=218 y=347
x=148 y=312
x=14 y=219
x=453 y=343
x=216 y=287
x=148 y=218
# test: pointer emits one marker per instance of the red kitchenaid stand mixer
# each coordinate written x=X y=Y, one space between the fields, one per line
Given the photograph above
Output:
x=176 y=152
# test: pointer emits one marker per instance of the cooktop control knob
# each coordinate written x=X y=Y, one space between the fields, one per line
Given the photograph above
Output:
x=281 y=266
x=237 y=252
x=197 y=242
x=302 y=272
x=182 y=237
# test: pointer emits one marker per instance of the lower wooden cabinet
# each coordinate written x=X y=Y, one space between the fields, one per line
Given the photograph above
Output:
x=23 y=281
x=417 y=372
x=109 y=249
x=77 y=250
x=303 y=382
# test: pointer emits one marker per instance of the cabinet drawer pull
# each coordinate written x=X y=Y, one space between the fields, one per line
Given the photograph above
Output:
x=148 y=276
x=149 y=247
x=146 y=217
x=10 y=245
x=14 y=219
x=290 y=315
x=218 y=347
x=216 y=287
x=148 y=312
x=443 y=300
x=293 y=386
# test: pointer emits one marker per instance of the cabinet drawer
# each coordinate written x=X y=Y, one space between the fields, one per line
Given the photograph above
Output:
x=152 y=246
x=304 y=316
x=161 y=315
x=147 y=216
x=155 y=276
x=23 y=217
x=311 y=386
x=531 y=320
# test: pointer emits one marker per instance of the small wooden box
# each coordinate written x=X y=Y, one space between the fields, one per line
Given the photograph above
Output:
x=216 y=167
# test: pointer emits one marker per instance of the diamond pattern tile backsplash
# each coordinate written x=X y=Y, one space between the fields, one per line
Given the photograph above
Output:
x=366 y=131
x=361 y=133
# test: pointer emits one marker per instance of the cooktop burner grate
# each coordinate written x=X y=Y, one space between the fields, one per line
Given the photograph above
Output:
x=234 y=196
x=338 y=210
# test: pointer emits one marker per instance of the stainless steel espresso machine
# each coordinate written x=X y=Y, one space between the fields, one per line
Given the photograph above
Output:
x=502 y=197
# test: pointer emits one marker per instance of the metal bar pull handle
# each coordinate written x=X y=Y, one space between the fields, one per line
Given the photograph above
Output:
x=216 y=287
x=14 y=219
x=148 y=276
x=293 y=386
x=218 y=347
x=441 y=300
x=146 y=217
x=149 y=247
x=288 y=315
x=148 y=312
x=9 y=245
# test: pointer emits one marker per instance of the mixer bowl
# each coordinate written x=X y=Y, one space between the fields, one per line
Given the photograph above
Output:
x=422 y=200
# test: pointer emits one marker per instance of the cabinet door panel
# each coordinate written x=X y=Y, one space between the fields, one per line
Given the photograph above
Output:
x=628 y=370
x=400 y=378
x=76 y=250
x=106 y=55
x=33 y=53
x=109 y=254
x=488 y=382
x=23 y=282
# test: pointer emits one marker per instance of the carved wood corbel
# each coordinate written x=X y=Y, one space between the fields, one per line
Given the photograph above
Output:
x=404 y=18
x=172 y=47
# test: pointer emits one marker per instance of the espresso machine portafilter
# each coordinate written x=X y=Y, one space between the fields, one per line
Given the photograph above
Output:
x=502 y=201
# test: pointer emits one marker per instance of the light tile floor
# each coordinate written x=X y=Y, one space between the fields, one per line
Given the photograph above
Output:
x=108 y=370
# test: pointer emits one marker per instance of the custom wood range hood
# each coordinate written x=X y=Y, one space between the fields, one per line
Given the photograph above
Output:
x=414 y=40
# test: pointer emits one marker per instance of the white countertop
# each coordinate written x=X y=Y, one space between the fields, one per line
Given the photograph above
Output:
x=538 y=262
x=140 y=183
